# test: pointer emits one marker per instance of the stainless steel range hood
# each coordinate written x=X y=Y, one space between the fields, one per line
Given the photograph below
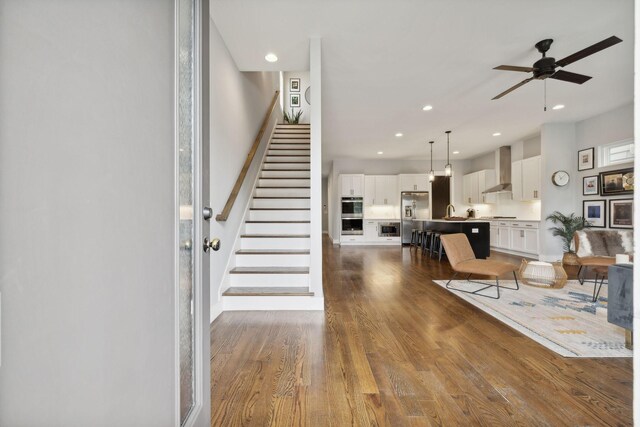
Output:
x=503 y=162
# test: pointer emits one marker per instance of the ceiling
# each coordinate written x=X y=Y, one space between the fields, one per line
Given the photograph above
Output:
x=382 y=61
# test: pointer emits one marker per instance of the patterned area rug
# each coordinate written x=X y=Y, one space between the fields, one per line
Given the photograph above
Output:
x=563 y=320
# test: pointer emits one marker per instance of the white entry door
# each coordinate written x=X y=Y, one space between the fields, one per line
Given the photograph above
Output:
x=104 y=281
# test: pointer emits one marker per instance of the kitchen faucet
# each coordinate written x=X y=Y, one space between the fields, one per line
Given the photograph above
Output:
x=452 y=210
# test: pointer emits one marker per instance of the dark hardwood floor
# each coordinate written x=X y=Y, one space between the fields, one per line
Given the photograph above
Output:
x=394 y=349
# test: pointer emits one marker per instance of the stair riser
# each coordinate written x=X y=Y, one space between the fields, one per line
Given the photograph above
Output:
x=293 y=130
x=281 y=203
x=279 y=215
x=298 y=126
x=291 y=146
x=287 y=159
x=285 y=166
x=282 y=192
x=284 y=260
x=284 y=228
x=284 y=174
x=274 y=243
x=284 y=183
x=252 y=280
x=295 y=141
x=294 y=152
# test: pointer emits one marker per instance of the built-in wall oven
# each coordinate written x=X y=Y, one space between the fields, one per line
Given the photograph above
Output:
x=352 y=216
x=389 y=229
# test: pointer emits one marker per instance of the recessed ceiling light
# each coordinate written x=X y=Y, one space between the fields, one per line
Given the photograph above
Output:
x=380 y=152
x=497 y=134
x=398 y=135
x=456 y=152
x=271 y=57
x=427 y=108
x=558 y=107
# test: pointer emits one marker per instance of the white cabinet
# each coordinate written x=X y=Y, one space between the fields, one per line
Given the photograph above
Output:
x=381 y=190
x=352 y=185
x=526 y=179
x=474 y=184
x=531 y=178
x=531 y=241
x=370 y=231
x=369 y=190
x=520 y=236
x=517 y=239
x=414 y=182
x=493 y=236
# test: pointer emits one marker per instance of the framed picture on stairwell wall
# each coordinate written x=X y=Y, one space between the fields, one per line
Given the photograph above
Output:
x=294 y=99
x=294 y=85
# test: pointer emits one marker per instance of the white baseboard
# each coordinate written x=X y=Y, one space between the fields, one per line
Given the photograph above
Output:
x=336 y=241
x=216 y=310
x=273 y=303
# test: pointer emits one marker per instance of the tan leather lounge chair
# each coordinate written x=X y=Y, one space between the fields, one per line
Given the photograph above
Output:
x=463 y=260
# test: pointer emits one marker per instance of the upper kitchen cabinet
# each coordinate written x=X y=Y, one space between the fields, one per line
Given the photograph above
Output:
x=352 y=185
x=381 y=190
x=414 y=182
x=474 y=184
x=526 y=179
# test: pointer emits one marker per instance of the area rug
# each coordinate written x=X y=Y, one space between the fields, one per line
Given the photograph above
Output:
x=563 y=320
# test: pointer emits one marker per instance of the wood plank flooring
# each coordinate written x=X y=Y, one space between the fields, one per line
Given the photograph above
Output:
x=394 y=349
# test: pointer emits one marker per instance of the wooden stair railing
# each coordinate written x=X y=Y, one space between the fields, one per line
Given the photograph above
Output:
x=222 y=216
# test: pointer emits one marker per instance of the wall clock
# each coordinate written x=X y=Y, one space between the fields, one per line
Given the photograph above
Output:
x=560 y=178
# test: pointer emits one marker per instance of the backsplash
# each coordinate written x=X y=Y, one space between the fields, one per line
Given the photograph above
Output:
x=508 y=207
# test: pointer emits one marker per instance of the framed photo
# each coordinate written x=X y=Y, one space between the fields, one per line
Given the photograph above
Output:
x=585 y=159
x=294 y=85
x=616 y=182
x=294 y=99
x=590 y=186
x=594 y=211
x=621 y=213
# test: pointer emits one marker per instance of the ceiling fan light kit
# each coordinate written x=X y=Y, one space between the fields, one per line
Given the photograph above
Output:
x=545 y=67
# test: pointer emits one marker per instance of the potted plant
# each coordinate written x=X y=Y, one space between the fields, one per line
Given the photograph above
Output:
x=565 y=228
x=293 y=118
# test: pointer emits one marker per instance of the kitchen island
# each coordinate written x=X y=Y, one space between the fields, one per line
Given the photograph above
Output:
x=477 y=232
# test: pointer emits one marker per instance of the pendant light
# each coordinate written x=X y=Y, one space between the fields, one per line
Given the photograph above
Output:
x=447 y=167
x=432 y=174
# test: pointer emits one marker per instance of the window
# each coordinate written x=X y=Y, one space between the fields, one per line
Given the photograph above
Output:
x=615 y=153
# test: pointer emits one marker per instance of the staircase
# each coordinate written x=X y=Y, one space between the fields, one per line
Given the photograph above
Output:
x=273 y=256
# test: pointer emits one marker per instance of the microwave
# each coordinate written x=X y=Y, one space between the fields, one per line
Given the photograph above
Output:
x=389 y=229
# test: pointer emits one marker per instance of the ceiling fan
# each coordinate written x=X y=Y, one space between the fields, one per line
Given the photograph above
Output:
x=545 y=67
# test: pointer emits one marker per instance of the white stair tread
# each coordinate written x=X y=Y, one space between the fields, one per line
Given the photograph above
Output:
x=278 y=222
x=275 y=236
x=270 y=270
x=273 y=252
x=267 y=291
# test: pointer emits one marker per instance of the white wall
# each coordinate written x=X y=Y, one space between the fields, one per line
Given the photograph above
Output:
x=389 y=167
x=239 y=102
x=87 y=213
x=558 y=150
x=305 y=82
x=612 y=126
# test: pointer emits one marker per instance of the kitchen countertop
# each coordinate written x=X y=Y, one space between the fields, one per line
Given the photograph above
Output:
x=444 y=220
x=383 y=219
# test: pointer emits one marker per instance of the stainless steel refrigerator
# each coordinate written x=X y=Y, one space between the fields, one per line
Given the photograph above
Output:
x=415 y=208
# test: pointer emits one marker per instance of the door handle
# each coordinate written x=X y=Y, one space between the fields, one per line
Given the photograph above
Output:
x=211 y=244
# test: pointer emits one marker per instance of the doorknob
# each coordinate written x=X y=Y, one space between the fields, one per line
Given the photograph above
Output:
x=211 y=244
x=207 y=213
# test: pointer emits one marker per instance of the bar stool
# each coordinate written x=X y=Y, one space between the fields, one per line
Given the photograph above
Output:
x=416 y=237
x=426 y=241
x=436 y=246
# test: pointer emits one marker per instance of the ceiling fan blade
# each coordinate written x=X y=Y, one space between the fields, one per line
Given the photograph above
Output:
x=512 y=88
x=570 y=77
x=514 y=68
x=589 y=51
